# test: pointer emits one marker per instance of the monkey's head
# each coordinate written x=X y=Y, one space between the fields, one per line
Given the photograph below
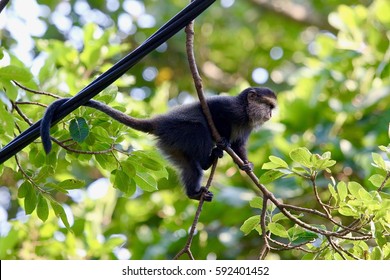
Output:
x=261 y=102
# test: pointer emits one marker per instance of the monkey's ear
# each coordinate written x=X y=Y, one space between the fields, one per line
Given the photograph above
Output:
x=252 y=95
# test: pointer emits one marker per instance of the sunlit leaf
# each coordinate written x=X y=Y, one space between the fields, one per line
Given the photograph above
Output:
x=342 y=190
x=71 y=184
x=145 y=181
x=256 y=202
x=250 y=224
x=16 y=73
x=354 y=188
x=301 y=156
x=377 y=180
x=270 y=176
x=277 y=229
x=379 y=161
x=60 y=212
x=278 y=161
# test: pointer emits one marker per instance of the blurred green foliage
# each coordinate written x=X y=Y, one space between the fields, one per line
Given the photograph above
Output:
x=333 y=92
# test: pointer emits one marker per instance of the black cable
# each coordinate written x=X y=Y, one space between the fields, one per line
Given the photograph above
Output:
x=178 y=22
x=3 y=3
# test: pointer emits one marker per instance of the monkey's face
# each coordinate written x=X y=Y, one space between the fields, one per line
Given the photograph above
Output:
x=261 y=102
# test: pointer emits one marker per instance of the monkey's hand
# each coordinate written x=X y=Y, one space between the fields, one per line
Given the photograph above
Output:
x=248 y=166
x=223 y=143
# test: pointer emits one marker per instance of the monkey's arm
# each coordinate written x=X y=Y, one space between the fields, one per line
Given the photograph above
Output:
x=239 y=147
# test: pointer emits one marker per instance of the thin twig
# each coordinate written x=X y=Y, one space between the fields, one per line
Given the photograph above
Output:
x=291 y=247
x=384 y=182
x=198 y=80
x=187 y=247
x=24 y=117
x=67 y=147
x=317 y=196
x=266 y=248
x=28 y=178
x=37 y=91
x=30 y=103
x=199 y=88
x=335 y=247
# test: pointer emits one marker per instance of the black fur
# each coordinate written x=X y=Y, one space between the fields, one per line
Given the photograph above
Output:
x=183 y=134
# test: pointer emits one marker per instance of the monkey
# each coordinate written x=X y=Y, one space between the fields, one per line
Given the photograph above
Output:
x=183 y=134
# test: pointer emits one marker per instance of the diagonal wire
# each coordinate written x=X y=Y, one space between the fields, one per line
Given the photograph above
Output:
x=178 y=22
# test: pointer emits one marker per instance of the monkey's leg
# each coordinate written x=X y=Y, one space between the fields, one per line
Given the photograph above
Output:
x=209 y=160
x=192 y=176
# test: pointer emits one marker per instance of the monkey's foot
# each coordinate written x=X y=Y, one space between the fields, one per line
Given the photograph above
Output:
x=207 y=195
x=217 y=152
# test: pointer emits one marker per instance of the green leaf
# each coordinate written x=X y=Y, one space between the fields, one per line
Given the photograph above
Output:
x=354 y=189
x=123 y=183
x=30 y=201
x=145 y=181
x=45 y=172
x=270 y=176
x=256 y=202
x=150 y=163
x=42 y=208
x=347 y=210
x=377 y=180
x=379 y=161
x=297 y=235
x=71 y=184
x=278 y=161
x=384 y=148
x=333 y=192
x=300 y=170
x=250 y=224
x=376 y=254
x=270 y=165
x=55 y=186
x=60 y=212
x=342 y=190
x=301 y=156
x=78 y=129
x=24 y=189
x=278 y=217
x=16 y=73
x=277 y=229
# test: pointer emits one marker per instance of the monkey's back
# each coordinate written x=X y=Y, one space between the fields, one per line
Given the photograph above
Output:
x=184 y=130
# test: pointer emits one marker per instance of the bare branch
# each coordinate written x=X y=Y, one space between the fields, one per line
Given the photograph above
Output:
x=266 y=248
x=187 y=247
x=37 y=91
x=384 y=182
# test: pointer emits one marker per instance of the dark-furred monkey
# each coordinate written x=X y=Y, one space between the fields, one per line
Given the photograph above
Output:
x=183 y=134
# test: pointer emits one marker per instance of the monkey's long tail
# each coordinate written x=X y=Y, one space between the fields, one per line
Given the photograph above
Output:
x=144 y=125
